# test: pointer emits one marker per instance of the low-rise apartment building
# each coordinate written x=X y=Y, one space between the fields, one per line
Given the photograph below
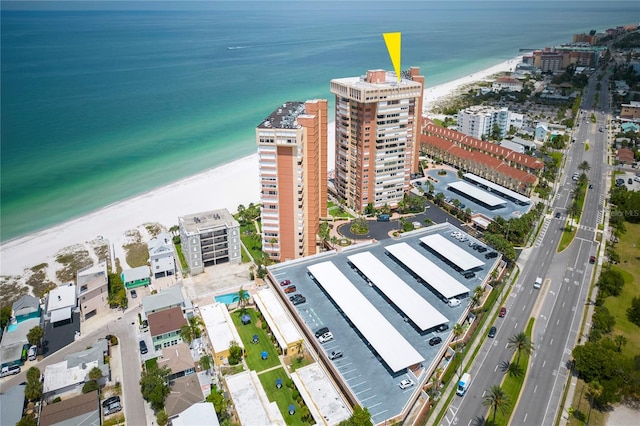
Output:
x=209 y=238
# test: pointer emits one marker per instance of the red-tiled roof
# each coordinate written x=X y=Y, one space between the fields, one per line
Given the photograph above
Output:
x=166 y=321
x=625 y=155
x=500 y=151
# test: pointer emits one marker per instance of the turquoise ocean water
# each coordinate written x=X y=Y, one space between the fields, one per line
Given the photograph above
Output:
x=100 y=105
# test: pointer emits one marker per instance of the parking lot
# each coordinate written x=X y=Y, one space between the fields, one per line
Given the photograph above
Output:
x=373 y=383
x=440 y=184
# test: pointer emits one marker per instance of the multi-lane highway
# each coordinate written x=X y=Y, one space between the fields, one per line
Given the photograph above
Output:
x=558 y=306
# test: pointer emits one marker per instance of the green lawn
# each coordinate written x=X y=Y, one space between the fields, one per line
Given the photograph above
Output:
x=150 y=363
x=253 y=351
x=567 y=237
x=629 y=266
x=251 y=241
x=183 y=261
x=283 y=396
x=334 y=210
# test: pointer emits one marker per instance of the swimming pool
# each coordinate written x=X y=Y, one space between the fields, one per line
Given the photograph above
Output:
x=229 y=298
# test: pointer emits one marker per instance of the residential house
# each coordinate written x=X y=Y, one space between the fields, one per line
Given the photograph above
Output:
x=93 y=290
x=165 y=326
x=221 y=331
x=167 y=298
x=185 y=392
x=527 y=144
x=509 y=84
x=25 y=308
x=541 y=132
x=625 y=156
x=179 y=360
x=209 y=238
x=512 y=146
x=136 y=277
x=630 y=110
x=200 y=414
x=83 y=410
x=69 y=376
x=14 y=344
x=162 y=256
x=12 y=404
x=61 y=303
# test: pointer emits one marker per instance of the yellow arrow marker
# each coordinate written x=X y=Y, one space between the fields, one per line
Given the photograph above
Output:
x=393 y=42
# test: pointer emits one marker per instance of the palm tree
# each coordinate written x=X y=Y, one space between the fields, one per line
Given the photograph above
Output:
x=300 y=349
x=497 y=399
x=521 y=343
x=196 y=324
x=594 y=391
x=175 y=230
x=477 y=296
x=242 y=298
x=205 y=362
x=186 y=334
x=584 y=166
x=458 y=330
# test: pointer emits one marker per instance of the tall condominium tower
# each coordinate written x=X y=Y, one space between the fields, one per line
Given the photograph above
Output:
x=292 y=153
x=377 y=127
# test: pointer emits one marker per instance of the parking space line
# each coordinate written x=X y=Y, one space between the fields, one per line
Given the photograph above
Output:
x=358 y=384
x=366 y=399
x=350 y=371
x=363 y=390
x=374 y=405
x=354 y=377
x=377 y=414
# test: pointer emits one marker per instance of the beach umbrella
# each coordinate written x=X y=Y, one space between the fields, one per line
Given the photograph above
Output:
x=265 y=355
x=278 y=383
x=292 y=409
x=255 y=339
x=246 y=319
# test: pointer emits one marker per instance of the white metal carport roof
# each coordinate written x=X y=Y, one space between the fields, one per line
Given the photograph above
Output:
x=421 y=312
x=498 y=188
x=396 y=351
x=451 y=252
x=477 y=194
x=431 y=273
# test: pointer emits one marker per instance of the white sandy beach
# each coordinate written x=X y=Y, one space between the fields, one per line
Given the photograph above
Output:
x=226 y=186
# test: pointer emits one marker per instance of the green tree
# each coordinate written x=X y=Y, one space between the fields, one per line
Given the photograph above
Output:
x=235 y=353
x=196 y=325
x=33 y=390
x=186 y=334
x=584 y=166
x=35 y=334
x=95 y=374
x=27 y=420
x=300 y=349
x=360 y=417
x=521 y=343
x=219 y=402
x=154 y=386
x=477 y=296
x=205 y=362
x=161 y=418
x=5 y=316
x=90 y=386
x=620 y=341
x=33 y=374
x=633 y=312
x=496 y=399
x=594 y=392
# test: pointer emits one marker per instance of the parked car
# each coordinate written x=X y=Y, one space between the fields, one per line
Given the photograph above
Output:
x=557 y=215
x=285 y=282
x=111 y=405
x=469 y=274
x=290 y=289
x=326 y=337
x=143 y=347
x=110 y=401
x=491 y=255
x=335 y=354
x=9 y=370
x=406 y=383
x=630 y=181
x=592 y=260
x=492 y=332
x=454 y=302
x=134 y=294
x=443 y=327
x=503 y=312
x=435 y=341
x=32 y=354
x=298 y=299
x=321 y=331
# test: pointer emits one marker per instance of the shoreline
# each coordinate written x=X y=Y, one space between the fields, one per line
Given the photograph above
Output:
x=193 y=194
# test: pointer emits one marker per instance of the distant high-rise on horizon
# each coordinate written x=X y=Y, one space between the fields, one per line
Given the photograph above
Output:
x=377 y=126
x=292 y=156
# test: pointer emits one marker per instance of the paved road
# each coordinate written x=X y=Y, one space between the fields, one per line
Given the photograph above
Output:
x=558 y=305
x=134 y=405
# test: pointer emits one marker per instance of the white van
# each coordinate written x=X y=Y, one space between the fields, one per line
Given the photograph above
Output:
x=454 y=302
x=538 y=283
x=32 y=354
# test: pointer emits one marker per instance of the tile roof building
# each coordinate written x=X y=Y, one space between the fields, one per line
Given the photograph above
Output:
x=83 y=410
x=185 y=392
x=625 y=156
x=500 y=165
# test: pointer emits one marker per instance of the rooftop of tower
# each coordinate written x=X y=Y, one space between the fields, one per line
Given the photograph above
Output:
x=284 y=117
